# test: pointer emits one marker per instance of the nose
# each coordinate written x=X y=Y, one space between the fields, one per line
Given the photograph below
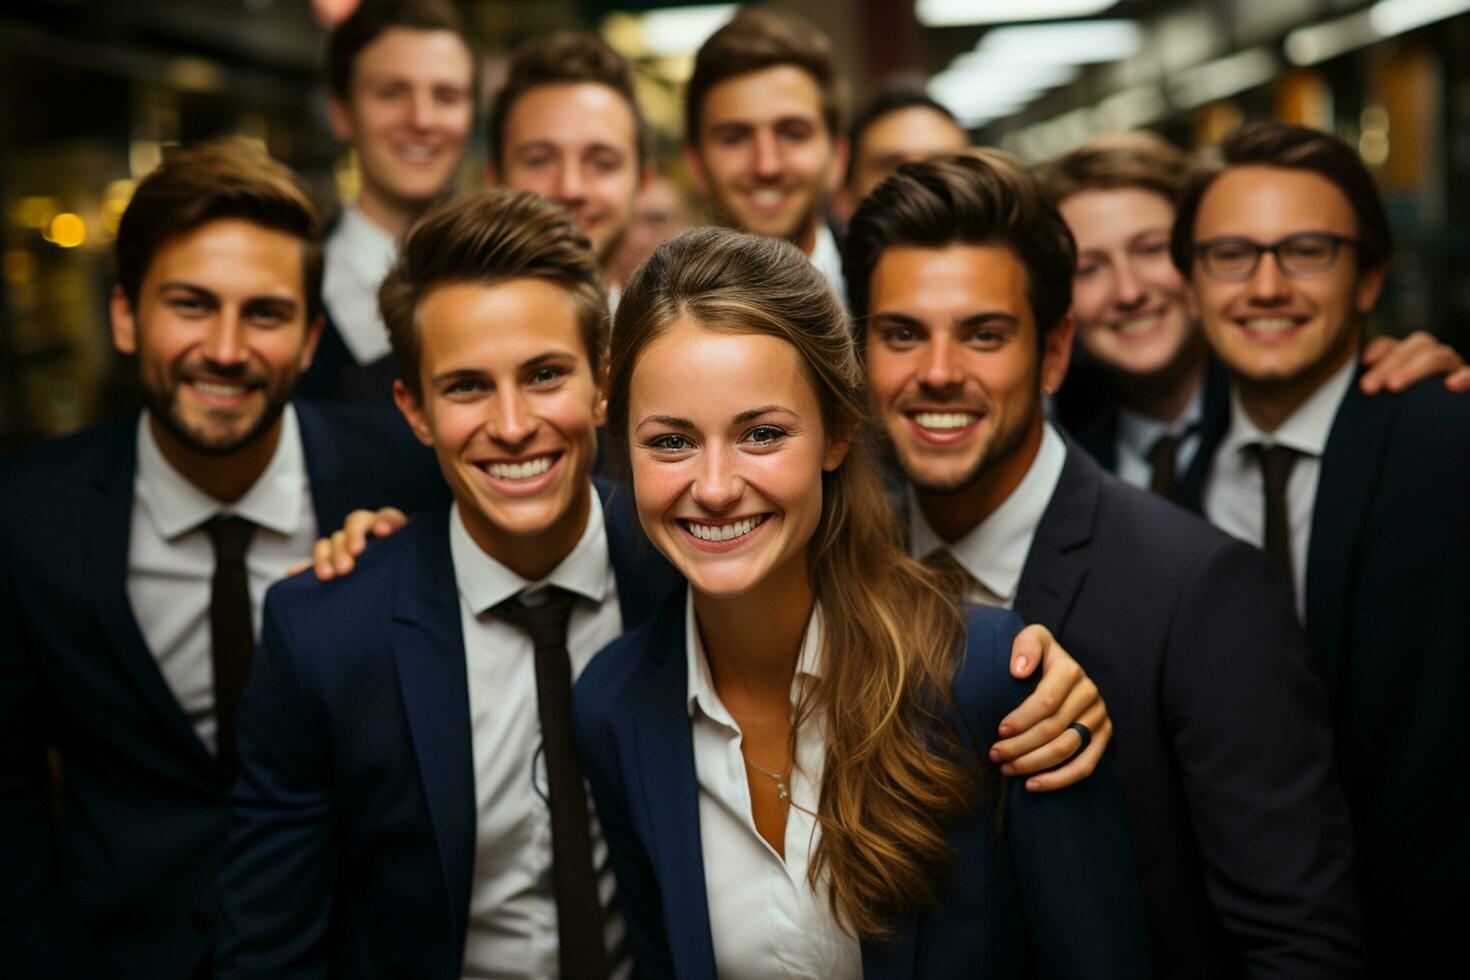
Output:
x=570 y=188
x=717 y=486
x=421 y=109
x=1128 y=292
x=941 y=368
x=513 y=423
x=767 y=155
x=1268 y=284
x=224 y=345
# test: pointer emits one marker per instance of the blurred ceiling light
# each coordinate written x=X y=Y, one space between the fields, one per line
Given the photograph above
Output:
x=960 y=13
x=1085 y=42
x=1322 y=42
x=1131 y=109
x=1223 y=77
x=1392 y=17
x=978 y=91
x=67 y=230
x=34 y=211
x=670 y=31
x=196 y=75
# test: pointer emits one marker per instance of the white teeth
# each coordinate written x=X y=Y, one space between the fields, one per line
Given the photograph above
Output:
x=1137 y=325
x=416 y=154
x=724 y=532
x=767 y=199
x=1270 y=325
x=944 y=420
x=220 y=391
x=520 y=471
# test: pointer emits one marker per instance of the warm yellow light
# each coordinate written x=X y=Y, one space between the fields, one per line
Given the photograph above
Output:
x=20 y=267
x=34 y=211
x=67 y=230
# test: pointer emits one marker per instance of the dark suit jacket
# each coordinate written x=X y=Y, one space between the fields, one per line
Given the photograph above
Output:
x=1048 y=889
x=120 y=881
x=335 y=373
x=1221 y=728
x=1093 y=422
x=1388 y=616
x=352 y=833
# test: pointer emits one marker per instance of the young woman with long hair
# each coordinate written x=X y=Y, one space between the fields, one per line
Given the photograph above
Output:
x=788 y=761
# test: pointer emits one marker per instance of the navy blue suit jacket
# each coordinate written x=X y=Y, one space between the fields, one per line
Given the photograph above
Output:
x=336 y=374
x=119 y=880
x=1388 y=617
x=352 y=832
x=1222 y=730
x=1045 y=887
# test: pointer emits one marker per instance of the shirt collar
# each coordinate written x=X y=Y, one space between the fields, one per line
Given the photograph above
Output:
x=701 y=683
x=995 y=551
x=274 y=501
x=365 y=249
x=485 y=583
x=1139 y=433
x=827 y=257
x=1304 y=430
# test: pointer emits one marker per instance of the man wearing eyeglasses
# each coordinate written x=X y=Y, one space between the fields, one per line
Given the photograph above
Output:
x=1362 y=503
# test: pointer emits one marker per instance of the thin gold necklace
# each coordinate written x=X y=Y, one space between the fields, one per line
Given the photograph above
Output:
x=783 y=787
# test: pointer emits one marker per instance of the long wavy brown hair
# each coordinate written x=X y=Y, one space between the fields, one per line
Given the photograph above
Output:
x=895 y=775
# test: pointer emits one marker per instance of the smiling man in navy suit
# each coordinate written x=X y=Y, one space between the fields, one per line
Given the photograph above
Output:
x=134 y=558
x=408 y=802
x=1363 y=505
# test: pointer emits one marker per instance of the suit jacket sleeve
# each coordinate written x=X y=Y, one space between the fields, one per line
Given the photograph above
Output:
x=39 y=933
x=1250 y=727
x=278 y=876
x=1079 y=892
x=637 y=891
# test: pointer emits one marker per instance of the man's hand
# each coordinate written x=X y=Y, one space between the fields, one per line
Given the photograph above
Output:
x=337 y=555
x=1037 y=736
x=1394 y=365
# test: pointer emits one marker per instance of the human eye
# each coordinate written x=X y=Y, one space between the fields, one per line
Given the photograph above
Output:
x=670 y=443
x=547 y=376
x=987 y=339
x=450 y=95
x=606 y=161
x=190 y=307
x=900 y=337
x=1086 y=270
x=1307 y=248
x=270 y=315
x=463 y=389
x=796 y=130
x=765 y=436
x=385 y=91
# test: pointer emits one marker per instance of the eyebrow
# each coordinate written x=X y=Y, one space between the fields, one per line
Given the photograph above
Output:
x=465 y=374
x=973 y=320
x=678 y=422
x=190 y=287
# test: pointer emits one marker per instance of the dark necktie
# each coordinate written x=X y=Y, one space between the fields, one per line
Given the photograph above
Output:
x=231 y=632
x=1276 y=463
x=578 y=910
x=1162 y=458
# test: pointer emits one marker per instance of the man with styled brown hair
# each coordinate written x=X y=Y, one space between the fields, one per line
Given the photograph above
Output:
x=567 y=125
x=134 y=558
x=1362 y=504
x=762 y=131
x=960 y=272
x=405 y=738
x=402 y=79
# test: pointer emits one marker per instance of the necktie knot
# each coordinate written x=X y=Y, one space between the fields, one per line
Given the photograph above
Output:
x=543 y=614
x=230 y=536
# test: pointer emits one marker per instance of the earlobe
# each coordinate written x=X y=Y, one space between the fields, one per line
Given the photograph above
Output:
x=837 y=449
x=696 y=169
x=1057 y=357
x=1370 y=285
x=313 y=337
x=124 y=323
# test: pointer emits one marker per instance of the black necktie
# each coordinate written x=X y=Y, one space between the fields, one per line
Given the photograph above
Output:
x=1162 y=458
x=231 y=632
x=1276 y=463
x=578 y=911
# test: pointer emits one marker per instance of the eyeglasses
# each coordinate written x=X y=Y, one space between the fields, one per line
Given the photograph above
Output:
x=1236 y=259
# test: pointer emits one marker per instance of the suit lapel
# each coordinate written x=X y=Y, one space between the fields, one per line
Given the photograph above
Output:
x=1350 y=465
x=645 y=578
x=324 y=470
x=1057 y=562
x=108 y=528
x=1214 y=427
x=428 y=649
x=670 y=790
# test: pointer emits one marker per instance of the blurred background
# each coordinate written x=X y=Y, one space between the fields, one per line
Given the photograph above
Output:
x=91 y=91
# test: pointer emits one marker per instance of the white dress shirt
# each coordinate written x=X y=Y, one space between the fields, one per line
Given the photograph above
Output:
x=827 y=257
x=1235 y=496
x=765 y=919
x=171 y=559
x=358 y=257
x=512 y=922
x=1137 y=435
x=994 y=552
